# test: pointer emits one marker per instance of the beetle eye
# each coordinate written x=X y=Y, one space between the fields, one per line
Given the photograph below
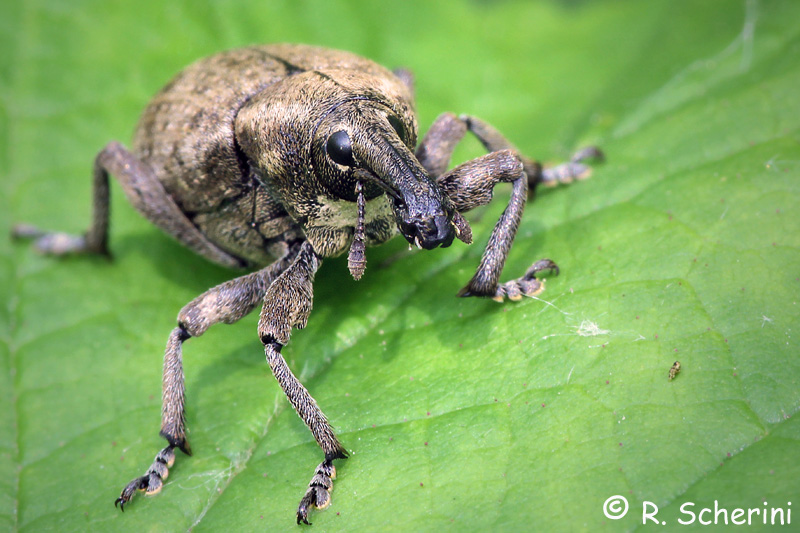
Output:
x=339 y=148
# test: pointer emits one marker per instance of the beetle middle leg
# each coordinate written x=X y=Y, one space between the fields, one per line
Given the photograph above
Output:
x=225 y=303
x=287 y=305
x=471 y=184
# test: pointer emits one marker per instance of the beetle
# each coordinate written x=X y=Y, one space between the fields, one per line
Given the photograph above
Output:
x=276 y=157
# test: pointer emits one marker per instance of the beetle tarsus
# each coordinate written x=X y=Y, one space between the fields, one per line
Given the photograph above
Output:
x=527 y=285
x=152 y=481
x=575 y=169
x=318 y=493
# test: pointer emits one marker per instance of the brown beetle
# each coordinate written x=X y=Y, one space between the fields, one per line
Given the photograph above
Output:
x=283 y=155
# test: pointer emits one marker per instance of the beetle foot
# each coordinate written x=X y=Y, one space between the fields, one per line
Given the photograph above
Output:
x=53 y=242
x=527 y=285
x=319 y=491
x=576 y=169
x=152 y=481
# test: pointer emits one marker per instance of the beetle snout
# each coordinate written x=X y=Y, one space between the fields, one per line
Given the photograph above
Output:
x=428 y=232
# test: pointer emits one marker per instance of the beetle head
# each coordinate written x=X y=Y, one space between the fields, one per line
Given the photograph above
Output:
x=316 y=135
x=365 y=141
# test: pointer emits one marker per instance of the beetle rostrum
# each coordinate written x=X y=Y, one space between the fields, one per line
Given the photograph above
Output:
x=273 y=158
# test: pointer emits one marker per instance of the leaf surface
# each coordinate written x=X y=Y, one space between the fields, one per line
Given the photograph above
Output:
x=459 y=414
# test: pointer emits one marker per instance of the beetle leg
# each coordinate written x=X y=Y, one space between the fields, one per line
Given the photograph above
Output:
x=145 y=193
x=287 y=305
x=470 y=185
x=225 y=303
x=575 y=169
x=447 y=130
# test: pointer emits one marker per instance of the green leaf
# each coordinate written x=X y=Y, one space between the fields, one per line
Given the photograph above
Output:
x=459 y=414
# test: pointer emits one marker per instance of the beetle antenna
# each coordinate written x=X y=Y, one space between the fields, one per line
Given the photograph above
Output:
x=357 y=259
x=463 y=231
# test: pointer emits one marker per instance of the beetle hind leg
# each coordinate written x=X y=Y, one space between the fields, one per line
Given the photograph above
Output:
x=93 y=241
x=145 y=193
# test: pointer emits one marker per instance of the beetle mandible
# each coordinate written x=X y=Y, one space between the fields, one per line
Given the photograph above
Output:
x=283 y=155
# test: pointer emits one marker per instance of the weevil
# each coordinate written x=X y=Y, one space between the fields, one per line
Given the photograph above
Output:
x=273 y=158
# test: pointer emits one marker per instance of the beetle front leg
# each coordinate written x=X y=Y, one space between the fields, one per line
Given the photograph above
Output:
x=287 y=305
x=470 y=185
x=225 y=303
